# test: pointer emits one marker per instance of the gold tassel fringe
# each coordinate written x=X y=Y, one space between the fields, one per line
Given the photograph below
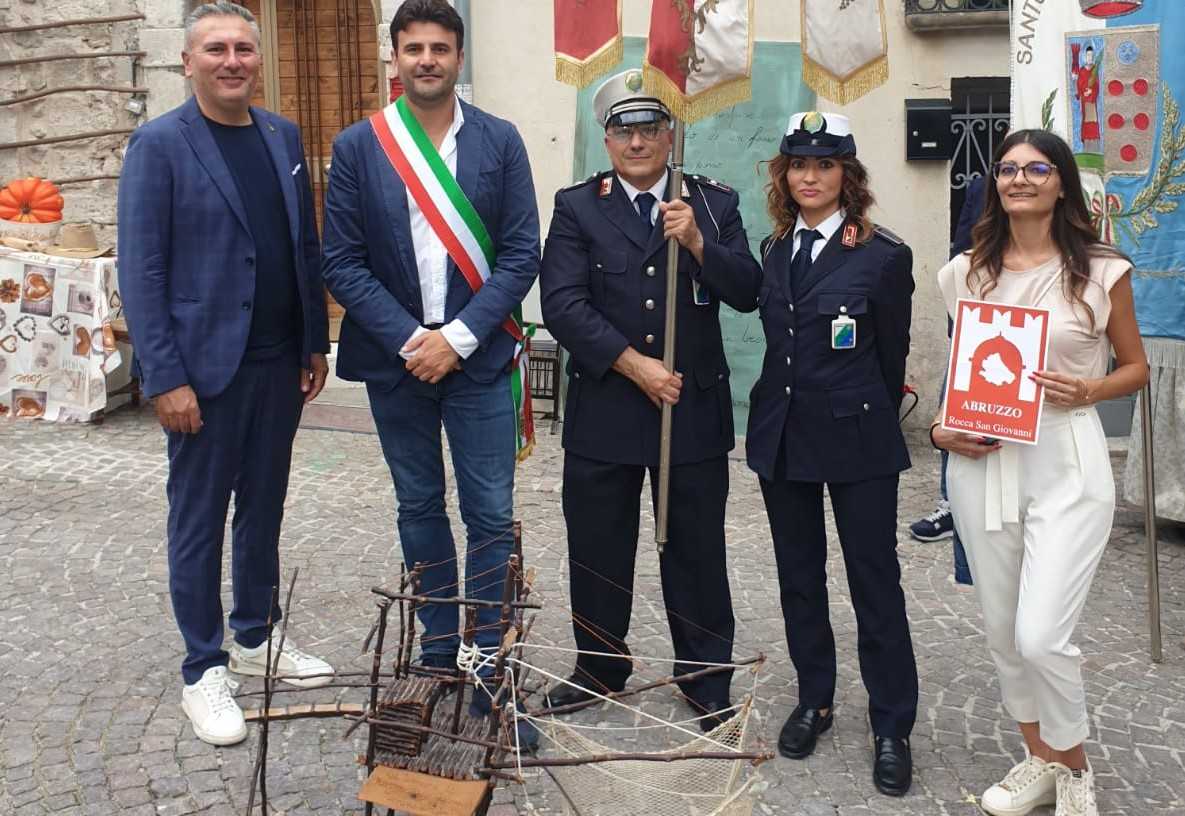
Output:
x=850 y=88
x=572 y=72
x=525 y=453
x=704 y=104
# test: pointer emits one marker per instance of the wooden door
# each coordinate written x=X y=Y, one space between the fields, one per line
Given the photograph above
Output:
x=321 y=70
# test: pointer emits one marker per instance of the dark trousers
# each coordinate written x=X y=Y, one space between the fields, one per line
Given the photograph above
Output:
x=245 y=448
x=601 y=505
x=866 y=518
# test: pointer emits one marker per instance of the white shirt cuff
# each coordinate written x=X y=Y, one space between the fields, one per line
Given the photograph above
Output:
x=408 y=355
x=460 y=338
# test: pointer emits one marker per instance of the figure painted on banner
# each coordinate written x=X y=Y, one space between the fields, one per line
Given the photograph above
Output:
x=1036 y=518
x=603 y=289
x=427 y=311
x=219 y=269
x=835 y=307
x=1084 y=68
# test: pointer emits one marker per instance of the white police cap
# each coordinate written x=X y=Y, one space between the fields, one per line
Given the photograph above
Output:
x=620 y=97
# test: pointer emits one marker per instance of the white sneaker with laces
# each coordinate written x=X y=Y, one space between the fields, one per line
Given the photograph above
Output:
x=298 y=668
x=216 y=717
x=1075 y=793
x=1028 y=785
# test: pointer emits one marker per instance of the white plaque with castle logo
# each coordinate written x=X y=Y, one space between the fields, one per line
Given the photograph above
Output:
x=995 y=350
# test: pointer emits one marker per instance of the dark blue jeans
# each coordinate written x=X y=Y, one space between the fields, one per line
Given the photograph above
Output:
x=962 y=570
x=479 y=421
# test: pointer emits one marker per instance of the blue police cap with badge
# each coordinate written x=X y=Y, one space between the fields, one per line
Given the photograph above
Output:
x=812 y=133
x=620 y=101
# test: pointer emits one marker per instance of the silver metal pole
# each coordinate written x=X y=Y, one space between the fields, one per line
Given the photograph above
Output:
x=668 y=349
x=1150 y=524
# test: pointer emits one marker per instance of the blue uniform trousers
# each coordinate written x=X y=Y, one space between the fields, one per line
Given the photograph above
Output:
x=866 y=519
x=244 y=448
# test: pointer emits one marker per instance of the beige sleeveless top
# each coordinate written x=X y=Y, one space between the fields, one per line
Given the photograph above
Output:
x=1075 y=348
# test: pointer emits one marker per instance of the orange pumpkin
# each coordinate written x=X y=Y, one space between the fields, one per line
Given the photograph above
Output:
x=32 y=201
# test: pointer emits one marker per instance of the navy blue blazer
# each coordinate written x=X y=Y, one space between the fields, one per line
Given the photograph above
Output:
x=603 y=288
x=369 y=261
x=186 y=255
x=832 y=414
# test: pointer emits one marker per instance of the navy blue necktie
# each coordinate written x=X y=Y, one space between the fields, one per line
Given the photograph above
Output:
x=802 y=259
x=645 y=203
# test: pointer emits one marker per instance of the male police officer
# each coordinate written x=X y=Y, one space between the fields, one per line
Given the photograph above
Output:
x=603 y=295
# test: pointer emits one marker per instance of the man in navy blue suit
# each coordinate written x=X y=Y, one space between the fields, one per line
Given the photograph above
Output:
x=603 y=295
x=431 y=243
x=220 y=274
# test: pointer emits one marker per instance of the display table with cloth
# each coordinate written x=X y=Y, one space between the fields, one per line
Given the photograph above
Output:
x=57 y=345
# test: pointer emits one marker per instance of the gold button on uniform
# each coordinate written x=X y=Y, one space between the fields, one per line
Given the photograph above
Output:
x=649 y=304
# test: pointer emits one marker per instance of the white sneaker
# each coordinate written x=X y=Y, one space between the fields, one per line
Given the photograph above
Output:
x=216 y=717
x=1030 y=784
x=294 y=665
x=1075 y=793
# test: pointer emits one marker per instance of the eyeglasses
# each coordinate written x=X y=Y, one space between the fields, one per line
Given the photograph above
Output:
x=623 y=134
x=1034 y=172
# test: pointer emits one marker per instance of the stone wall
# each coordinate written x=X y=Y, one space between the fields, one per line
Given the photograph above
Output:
x=85 y=111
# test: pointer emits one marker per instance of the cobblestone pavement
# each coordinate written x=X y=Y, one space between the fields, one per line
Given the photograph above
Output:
x=90 y=721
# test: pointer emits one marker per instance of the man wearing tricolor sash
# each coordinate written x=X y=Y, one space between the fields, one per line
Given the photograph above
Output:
x=431 y=243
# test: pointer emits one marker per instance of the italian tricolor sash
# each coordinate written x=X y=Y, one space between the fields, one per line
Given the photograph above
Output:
x=458 y=226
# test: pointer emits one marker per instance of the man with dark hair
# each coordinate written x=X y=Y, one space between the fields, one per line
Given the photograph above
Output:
x=220 y=274
x=431 y=243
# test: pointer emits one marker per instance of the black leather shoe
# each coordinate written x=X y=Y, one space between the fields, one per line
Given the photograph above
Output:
x=892 y=770
x=562 y=694
x=712 y=714
x=801 y=731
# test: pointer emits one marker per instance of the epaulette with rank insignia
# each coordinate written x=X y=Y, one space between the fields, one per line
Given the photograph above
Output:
x=890 y=236
x=589 y=180
x=709 y=182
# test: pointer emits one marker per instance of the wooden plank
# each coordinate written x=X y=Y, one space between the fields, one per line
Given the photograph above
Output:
x=423 y=795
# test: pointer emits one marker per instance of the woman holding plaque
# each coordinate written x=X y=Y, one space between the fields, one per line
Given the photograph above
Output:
x=835 y=309
x=1035 y=518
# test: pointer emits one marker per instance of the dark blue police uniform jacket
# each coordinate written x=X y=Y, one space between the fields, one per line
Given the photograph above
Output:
x=603 y=288
x=831 y=415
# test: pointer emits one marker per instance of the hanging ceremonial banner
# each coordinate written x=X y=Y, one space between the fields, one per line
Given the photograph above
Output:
x=587 y=39
x=845 y=49
x=993 y=350
x=699 y=57
x=1108 y=77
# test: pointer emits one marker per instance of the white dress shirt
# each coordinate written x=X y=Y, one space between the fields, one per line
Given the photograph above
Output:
x=826 y=229
x=659 y=191
x=432 y=259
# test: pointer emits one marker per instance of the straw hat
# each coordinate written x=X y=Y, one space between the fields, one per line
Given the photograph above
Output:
x=77 y=241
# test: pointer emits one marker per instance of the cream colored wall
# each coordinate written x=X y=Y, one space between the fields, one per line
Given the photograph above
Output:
x=510 y=44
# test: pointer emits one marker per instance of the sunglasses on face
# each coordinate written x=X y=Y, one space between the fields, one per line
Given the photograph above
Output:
x=1035 y=172
x=623 y=134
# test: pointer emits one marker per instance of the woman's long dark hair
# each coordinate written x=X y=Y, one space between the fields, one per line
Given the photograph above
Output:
x=854 y=197
x=1073 y=233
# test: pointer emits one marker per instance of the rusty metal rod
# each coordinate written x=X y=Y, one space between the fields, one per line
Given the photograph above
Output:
x=71 y=56
x=591 y=759
x=376 y=668
x=122 y=18
x=617 y=695
x=81 y=179
x=127 y=89
x=78 y=137
x=267 y=707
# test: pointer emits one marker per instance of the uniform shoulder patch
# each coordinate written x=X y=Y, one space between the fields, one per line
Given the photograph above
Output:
x=594 y=177
x=709 y=182
x=890 y=236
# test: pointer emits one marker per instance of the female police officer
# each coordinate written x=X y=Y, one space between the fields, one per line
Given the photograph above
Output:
x=835 y=306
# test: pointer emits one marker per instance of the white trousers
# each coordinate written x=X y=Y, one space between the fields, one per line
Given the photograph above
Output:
x=1034 y=520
